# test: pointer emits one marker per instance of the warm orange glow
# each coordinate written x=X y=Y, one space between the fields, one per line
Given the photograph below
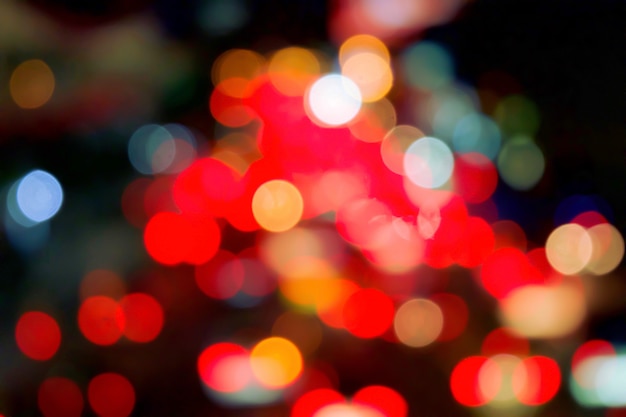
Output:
x=276 y=362
x=537 y=311
x=362 y=43
x=277 y=205
x=371 y=73
x=292 y=69
x=310 y=283
x=32 y=84
x=239 y=64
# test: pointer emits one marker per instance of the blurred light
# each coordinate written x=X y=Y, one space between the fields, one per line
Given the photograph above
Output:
x=281 y=250
x=428 y=65
x=101 y=320
x=577 y=204
x=221 y=277
x=225 y=367
x=507 y=269
x=509 y=234
x=143 y=317
x=608 y=249
x=310 y=283
x=428 y=162
x=185 y=148
x=580 y=364
x=492 y=378
x=476 y=132
x=304 y=331
x=172 y=238
x=418 y=322
x=501 y=340
x=132 y=202
x=347 y=410
x=374 y=121
x=475 y=177
x=384 y=399
x=236 y=64
x=277 y=205
x=363 y=43
x=396 y=143
x=602 y=381
x=521 y=163
x=517 y=115
x=368 y=313
x=455 y=315
x=276 y=362
x=102 y=282
x=331 y=311
x=37 y=335
x=536 y=380
x=588 y=219
x=371 y=73
x=32 y=84
x=476 y=243
x=111 y=395
x=39 y=196
x=60 y=397
x=544 y=312
x=311 y=402
x=569 y=248
x=291 y=70
x=257 y=283
x=465 y=382
x=151 y=149
x=333 y=100
x=228 y=110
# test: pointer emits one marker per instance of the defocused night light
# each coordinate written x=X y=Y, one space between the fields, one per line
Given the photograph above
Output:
x=276 y=362
x=151 y=149
x=333 y=100
x=569 y=248
x=476 y=132
x=292 y=69
x=368 y=313
x=111 y=395
x=39 y=196
x=395 y=144
x=347 y=410
x=465 y=381
x=101 y=320
x=277 y=205
x=225 y=367
x=495 y=379
x=536 y=380
x=383 y=399
x=428 y=162
x=521 y=163
x=32 y=84
x=428 y=66
x=371 y=73
x=37 y=335
x=60 y=397
x=517 y=115
x=544 y=312
x=143 y=317
x=608 y=249
x=418 y=322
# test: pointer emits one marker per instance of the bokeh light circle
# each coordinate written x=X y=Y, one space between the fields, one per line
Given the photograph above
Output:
x=38 y=335
x=428 y=162
x=39 y=195
x=276 y=362
x=111 y=395
x=277 y=205
x=333 y=100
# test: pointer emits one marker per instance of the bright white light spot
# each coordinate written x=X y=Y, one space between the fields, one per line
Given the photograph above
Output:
x=428 y=162
x=39 y=196
x=334 y=100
